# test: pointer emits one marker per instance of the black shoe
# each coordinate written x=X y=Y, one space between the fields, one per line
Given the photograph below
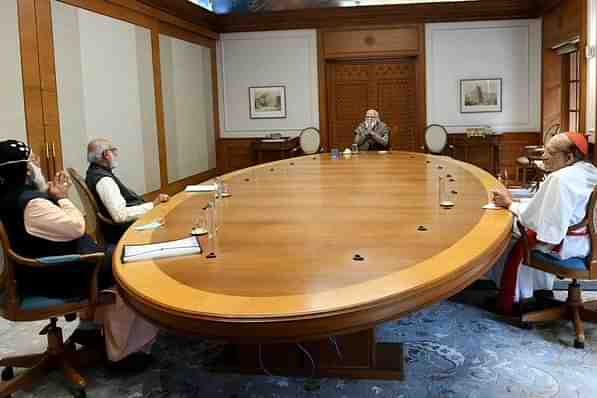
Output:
x=87 y=337
x=133 y=363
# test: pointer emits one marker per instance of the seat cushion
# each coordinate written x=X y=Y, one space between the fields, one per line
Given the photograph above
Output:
x=574 y=263
x=40 y=302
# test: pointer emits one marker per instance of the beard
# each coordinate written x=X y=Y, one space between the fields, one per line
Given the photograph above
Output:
x=113 y=164
x=36 y=178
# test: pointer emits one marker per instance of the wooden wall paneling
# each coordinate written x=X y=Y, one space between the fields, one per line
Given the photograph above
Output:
x=365 y=16
x=512 y=147
x=421 y=90
x=179 y=12
x=552 y=88
x=141 y=14
x=159 y=108
x=374 y=42
x=582 y=46
x=216 y=100
x=113 y=10
x=234 y=154
x=32 y=81
x=322 y=81
x=48 y=83
x=186 y=35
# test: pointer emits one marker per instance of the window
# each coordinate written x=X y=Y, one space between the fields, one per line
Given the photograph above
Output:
x=572 y=99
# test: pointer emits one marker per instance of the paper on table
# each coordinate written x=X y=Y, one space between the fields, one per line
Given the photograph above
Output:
x=180 y=247
x=200 y=188
x=491 y=206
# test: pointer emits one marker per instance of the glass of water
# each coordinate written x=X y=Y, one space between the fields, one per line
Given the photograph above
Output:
x=335 y=153
x=355 y=148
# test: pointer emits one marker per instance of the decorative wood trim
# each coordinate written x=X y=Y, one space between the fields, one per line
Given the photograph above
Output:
x=186 y=35
x=145 y=15
x=375 y=15
x=31 y=79
x=215 y=95
x=49 y=90
x=421 y=89
x=178 y=186
x=582 y=51
x=159 y=108
x=322 y=78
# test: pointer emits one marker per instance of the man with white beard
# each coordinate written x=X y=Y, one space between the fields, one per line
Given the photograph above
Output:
x=372 y=134
x=41 y=221
x=117 y=202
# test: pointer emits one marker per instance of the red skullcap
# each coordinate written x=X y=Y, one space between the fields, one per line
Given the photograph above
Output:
x=580 y=141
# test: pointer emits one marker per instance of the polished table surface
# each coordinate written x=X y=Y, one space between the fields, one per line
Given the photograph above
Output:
x=284 y=268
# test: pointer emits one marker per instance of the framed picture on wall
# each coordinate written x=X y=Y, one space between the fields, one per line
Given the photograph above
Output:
x=480 y=95
x=268 y=102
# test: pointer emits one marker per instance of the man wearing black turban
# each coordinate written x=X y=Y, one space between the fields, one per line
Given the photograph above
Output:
x=41 y=221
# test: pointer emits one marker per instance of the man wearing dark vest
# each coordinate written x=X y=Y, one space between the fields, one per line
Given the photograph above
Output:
x=116 y=200
x=41 y=221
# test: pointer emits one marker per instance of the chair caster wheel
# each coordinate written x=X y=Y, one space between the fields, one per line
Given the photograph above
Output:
x=8 y=373
x=579 y=344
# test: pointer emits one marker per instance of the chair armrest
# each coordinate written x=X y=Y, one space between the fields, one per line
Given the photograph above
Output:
x=57 y=260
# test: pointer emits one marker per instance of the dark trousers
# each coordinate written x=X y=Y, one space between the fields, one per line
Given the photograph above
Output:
x=68 y=280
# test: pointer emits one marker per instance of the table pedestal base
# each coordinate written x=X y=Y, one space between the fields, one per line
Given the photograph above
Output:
x=354 y=355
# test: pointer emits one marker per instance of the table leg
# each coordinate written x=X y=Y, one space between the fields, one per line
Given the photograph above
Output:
x=355 y=355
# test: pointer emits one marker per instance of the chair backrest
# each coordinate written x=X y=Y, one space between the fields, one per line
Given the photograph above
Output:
x=90 y=206
x=592 y=225
x=550 y=132
x=310 y=140
x=436 y=138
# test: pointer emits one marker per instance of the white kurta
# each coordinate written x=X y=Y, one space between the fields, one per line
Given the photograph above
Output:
x=560 y=202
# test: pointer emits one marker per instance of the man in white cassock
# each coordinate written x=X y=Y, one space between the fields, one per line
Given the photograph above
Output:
x=560 y=203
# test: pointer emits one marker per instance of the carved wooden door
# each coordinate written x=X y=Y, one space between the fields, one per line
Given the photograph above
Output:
x=388 y=86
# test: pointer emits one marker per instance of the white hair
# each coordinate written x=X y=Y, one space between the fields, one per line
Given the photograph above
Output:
x=97 y=153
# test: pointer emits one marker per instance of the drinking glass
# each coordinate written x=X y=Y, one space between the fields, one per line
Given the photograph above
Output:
x=355 y=148
x=335 y=153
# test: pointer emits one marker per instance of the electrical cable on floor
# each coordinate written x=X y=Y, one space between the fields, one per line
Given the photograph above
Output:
x=261 y=363
x=308 y=356
x=335 y=343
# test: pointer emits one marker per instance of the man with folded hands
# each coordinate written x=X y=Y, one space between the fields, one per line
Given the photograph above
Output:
x=372 y=134
x=116 y=201
x=560 y=202
x=41 y=221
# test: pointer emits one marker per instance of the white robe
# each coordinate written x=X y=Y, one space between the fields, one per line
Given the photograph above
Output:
x=560 y=202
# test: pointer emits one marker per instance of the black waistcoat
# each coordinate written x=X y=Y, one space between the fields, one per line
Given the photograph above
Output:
x=95 y=173
x=12 y=213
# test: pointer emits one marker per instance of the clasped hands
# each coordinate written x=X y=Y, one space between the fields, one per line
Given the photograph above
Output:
x=58 y=188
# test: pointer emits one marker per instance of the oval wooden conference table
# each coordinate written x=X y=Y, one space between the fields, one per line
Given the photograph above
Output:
x=287 y=268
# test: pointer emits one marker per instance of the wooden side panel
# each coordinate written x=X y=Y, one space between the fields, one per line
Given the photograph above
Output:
x=552 y=88
x=31 y=80
x=371 y=42
x=478 y=151
x=234 y=154
x=562 y=23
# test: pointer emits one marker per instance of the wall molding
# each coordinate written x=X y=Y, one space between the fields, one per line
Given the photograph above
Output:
x=458 y=121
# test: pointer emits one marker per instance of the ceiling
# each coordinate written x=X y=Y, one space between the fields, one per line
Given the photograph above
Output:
x=258 y=6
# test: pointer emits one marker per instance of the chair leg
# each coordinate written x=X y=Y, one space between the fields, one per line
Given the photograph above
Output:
x=24 y=361
x=549 y=314
x=71 y=374
x=579 y=342
x=25 y=378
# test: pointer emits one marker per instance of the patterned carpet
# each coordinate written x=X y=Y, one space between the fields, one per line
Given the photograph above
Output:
x=454 y=349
